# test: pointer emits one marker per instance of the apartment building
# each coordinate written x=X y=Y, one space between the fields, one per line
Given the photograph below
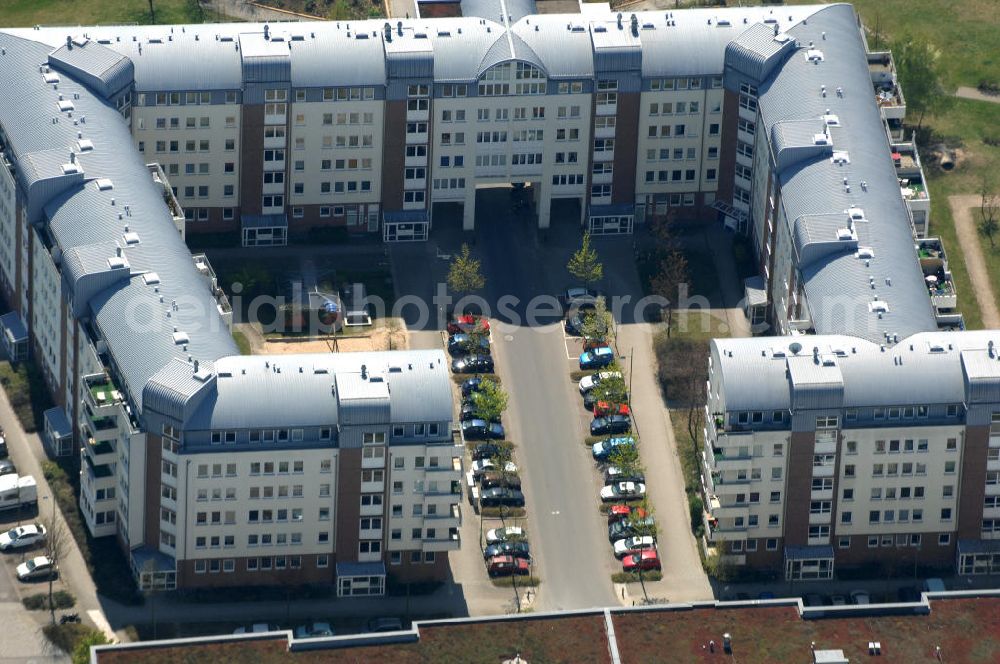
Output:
x=863 y=435
x=274 y=132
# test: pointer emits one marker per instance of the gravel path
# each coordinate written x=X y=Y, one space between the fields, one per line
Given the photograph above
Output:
x=962 y=208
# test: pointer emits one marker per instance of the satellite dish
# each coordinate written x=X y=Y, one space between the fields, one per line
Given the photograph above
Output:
x=795 y=347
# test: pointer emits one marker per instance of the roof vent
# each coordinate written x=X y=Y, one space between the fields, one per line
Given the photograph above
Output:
x=821 y=139
x=856 y=213
x=131 y=238
x=844 y=234
x=85 y=145
x=866 y=253
x=936 y=348
x=117 y=263
x=840 y=158
x=151 y=278
x=65 y=105
x=831 y=120
x=51 y=77
x=814 y=55
x=879 y=306
x=104 y=184
x=70 y=169
x=181 y=338
x=722 y=22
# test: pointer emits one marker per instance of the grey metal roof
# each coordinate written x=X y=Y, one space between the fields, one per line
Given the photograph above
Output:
x=757 y=50
x=103 y=70
x=300 y=389
x=564 y=52
x=795 y=140
x=86 y=271
x=336 y=57
x=762 y=373
x=494 y=10
x=838 y=287
x=58 y=422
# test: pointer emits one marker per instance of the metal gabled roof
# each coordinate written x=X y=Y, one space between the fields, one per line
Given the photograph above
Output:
x=926 y=368
x=565 y=53
x=758 y=50
x=839 y=288
x=336 y=57
x=102 y=69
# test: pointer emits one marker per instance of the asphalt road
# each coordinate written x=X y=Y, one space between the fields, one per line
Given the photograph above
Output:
x=566 y=532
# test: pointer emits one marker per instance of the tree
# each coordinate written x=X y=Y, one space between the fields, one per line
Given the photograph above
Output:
x=612 y=389
x=56 y=542
x=152 y=12
x=584 y=264
x=81 y=653
x=916 y=69
x=989 y=211
x=667 y=282
x=502 y=465
x=643 y=524
x=465 y=273
x=597 y=322
x=626 y=459
x=394 y=331
x=490 y=400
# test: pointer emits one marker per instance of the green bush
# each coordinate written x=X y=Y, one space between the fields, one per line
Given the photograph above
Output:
x=60 y=600
x=522 y=581
x=632 y=577
x=696 y=507
x=67 y=637
x=27 y=393
x=81 y=653
x=508 y=512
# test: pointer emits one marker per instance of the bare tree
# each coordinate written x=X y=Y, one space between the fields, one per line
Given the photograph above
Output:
x=394 y=331
x=56 y=542
x=673 y=273
x=989 y=211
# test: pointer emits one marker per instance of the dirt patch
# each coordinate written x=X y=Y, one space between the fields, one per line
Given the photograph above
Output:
x=965 y=227
x=375 y=339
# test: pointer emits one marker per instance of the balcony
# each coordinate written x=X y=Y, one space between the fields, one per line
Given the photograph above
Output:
x=102 y=394
x=606 y=109
x=451 y=542
x=373 y=462
x=449 y=517
x=823 y=471
x=822 y=494
x=415 y=161
x=819 y=520
x=418 y=115
x=204 y=268
x=718 y=531
x=97 y=472
x=372 y=487
x=176 y=212
x=371 y=510
x=889 y=98
x=416 y=138
x=100 y=452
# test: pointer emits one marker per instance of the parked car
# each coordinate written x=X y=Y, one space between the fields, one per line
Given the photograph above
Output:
x=576 y=299
x=481 y=466
x=485 y=451
x=313 y=630
x=494 y=535
x=516 y=549
x=587 y=383
x=470 y=412
x=614 y=474
x=501 y=496
x=22 y=537
x=612 y=424
x=7 y=467
x=3 y=445
x=495 y=479
x=634 y=544
x=860 y=597
x=597 y=358
x=467 y=323
x=603 y=408
x=464 y=344
x=385 y=625
x=623 y=528
x=602 y=449
x=621 y=512
x=472 y=364
x=647 y=559
x=482 y=430
x=590 y=400
x=507 y=566
x=40 y=567
x=574 y=325
x=257 y=628
x=471 y=385
x=623 y=491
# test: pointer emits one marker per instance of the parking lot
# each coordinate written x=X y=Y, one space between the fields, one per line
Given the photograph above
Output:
x=545 y=418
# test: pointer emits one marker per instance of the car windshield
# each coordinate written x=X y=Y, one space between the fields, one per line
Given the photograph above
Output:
x=31 y=565
x=12 y=533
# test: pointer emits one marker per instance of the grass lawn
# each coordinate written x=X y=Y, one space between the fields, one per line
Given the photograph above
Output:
x=26 y=392
x=242 y=342
x=14 y=13
x=335 y=10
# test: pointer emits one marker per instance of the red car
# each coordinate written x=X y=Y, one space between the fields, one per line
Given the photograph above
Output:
x=507 y=566
x=468 y=323
x=602 y=408
x=649 y=560
x=622 y=512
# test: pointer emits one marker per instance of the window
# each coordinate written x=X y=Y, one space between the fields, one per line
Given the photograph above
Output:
x=775 y=496
x=949 y=467
x=772 y=544
x=944 y=539
x=848 y=494
x=946 y=514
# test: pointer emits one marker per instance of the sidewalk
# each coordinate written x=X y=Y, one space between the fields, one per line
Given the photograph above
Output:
x=28 y=454
x=965 y=228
